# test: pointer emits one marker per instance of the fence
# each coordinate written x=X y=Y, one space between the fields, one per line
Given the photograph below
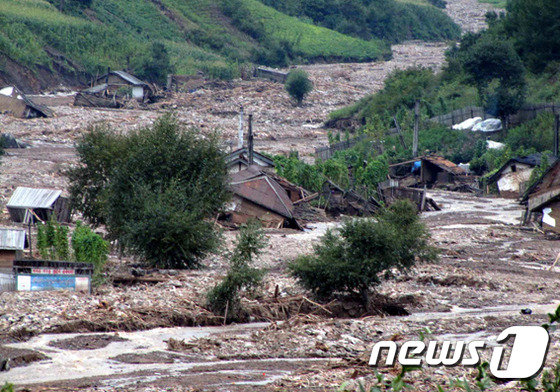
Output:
x=324 y=153
x=7 y=281
x=459 y=115
x=530 y=112
x=526 y=113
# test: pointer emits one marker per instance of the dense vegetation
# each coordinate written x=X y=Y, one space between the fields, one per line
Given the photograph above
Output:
x=351 y=259
x=155 y=190
x=516 y=61
x=390 y=20
x=213 y=36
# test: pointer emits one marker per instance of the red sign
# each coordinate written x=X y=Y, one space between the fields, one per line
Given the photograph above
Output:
x=52 y=271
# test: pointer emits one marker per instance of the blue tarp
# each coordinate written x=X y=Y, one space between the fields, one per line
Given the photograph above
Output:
x=416 y=166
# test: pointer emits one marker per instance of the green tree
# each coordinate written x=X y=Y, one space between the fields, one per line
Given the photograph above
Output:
x=351 y=259
x=496 y=70
x=99 y=151
x=155 y=66
x=298 y=85
x=535 y=29
x=241 y=275
x=158 y=195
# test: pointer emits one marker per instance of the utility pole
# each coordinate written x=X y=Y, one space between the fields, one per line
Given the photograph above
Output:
x=250 y=142
x=240 y=131
x=416 y=127
x=557 y=135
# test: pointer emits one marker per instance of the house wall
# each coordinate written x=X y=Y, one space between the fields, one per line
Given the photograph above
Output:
x=15 y=107
x=551 y=216
x=511 y=182
x=7 y=258
x=245 y=210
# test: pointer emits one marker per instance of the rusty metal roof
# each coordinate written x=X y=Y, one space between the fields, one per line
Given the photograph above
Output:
x=33 y=198
x=12 y=239
x=259 y=188
x=547 y=184
x=444 y=164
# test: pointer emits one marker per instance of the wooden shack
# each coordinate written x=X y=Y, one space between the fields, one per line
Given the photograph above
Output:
x=33 y=204
x=12 y=244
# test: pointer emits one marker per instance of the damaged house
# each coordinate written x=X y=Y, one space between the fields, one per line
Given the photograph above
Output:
x=512 y=178
x=107 y=90
x=17 y=104
x=31 y=205
x=339 y=201
x=257 y=195
x=430 y=171
x=239 y=160
x=543 y=199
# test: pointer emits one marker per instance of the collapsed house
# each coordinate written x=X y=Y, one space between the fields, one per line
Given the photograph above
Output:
x=432 y=171
x=258 y=195
x=512 y=178
x=543 y=199
x=338 y=201
x=17 y=104
x=240 y=160
x=110 y=89
x=390 y=191
x=29 y=205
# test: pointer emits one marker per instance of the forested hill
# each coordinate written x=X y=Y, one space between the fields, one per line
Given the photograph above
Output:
x=43 y=42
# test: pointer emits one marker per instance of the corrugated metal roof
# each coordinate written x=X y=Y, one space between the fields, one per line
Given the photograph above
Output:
x=444 y=164
x=129 y=78
x=33 y=198
x=96 y=89
x=12 y=239
x=256 y=186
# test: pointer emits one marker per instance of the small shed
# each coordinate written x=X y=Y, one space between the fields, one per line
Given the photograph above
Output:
x=16 y=103
x=258 y=195
x=429 y=171
x=239 y=160
x=118 y=84
x=30 y=204
x=12 y=244
x=511 y=179
x=543 y=198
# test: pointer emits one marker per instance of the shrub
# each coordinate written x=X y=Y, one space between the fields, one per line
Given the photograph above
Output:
x=89 y=247
x=298 y=85
x=241 y=275
x=351 y=259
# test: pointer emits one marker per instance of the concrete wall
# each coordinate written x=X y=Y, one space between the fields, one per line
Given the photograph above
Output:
x=511 y=182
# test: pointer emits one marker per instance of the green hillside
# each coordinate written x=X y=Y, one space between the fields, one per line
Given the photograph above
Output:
x=391 y=20
x=210 y=35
